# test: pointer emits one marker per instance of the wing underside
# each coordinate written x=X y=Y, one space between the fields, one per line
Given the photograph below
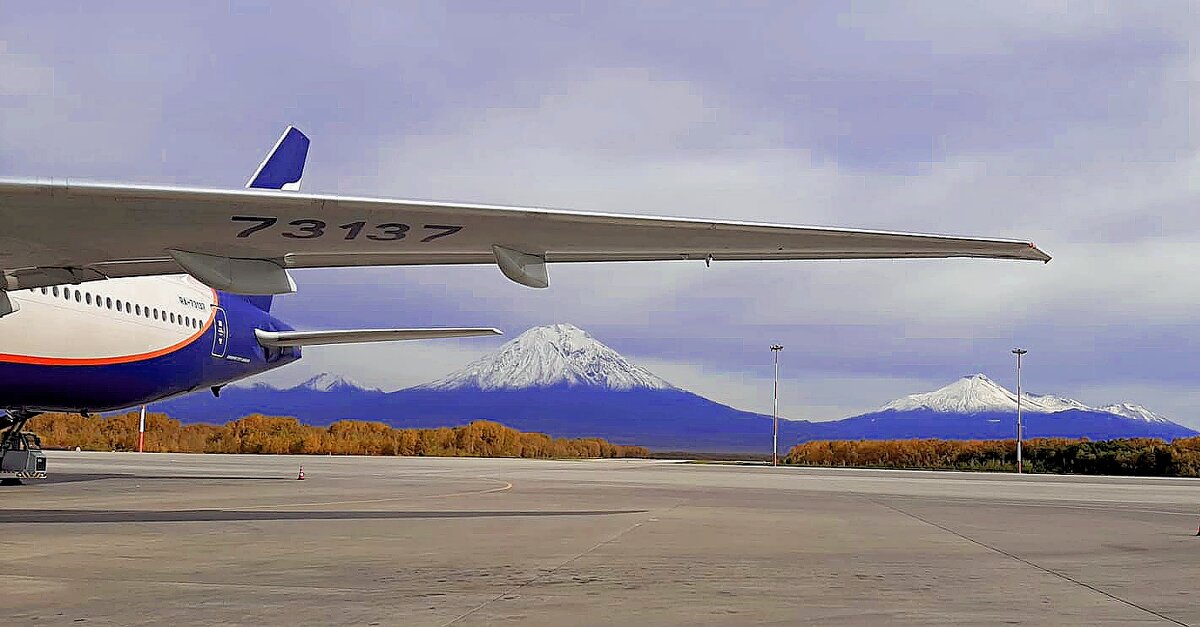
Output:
x=62 y=232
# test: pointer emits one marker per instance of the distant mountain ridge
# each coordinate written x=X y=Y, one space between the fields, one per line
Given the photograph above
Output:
x=560 y=380
x=976 y=394
x=326 y=382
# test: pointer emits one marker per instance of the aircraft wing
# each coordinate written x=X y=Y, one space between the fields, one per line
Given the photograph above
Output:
x=58 y=231
x=324 y=338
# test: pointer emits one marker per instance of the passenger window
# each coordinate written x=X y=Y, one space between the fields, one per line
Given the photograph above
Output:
x=172 y=317
x=44 y=290
x=78 y=296
x=107 y=303
x=55 y=290
x=156 y=313
x=88 y=298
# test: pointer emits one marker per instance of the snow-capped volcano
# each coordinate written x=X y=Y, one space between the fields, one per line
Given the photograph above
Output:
x=548 y=356
x=968 y=395
x=977 y=394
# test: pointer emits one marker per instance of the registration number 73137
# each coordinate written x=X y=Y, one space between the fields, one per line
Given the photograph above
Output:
x=312 y=228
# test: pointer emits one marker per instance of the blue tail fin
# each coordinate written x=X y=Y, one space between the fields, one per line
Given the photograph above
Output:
x=284 y=165
x=262 y=302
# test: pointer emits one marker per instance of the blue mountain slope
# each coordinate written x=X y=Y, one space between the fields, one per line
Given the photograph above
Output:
x=661 y=419
x=559 y=380
x=893 y=425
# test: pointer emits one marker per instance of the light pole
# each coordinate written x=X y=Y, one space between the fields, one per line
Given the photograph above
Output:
x=775 y=348
x=1019 y=352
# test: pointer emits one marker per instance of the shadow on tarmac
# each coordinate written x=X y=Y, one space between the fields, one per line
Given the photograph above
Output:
x=230 y=515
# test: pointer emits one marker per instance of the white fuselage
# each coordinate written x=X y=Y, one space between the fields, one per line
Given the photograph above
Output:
x=105 y=322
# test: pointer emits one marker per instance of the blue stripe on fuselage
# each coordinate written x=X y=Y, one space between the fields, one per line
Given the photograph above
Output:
x=117 y=386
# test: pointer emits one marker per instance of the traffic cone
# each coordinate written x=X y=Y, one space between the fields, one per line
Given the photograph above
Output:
x=300 y=477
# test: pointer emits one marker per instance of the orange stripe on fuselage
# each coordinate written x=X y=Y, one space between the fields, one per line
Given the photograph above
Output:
x=108 y=361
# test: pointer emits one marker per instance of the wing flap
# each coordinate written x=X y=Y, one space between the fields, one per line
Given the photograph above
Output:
x=277 y=339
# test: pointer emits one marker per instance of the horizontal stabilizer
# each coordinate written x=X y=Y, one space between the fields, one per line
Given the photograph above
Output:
x=320 y=338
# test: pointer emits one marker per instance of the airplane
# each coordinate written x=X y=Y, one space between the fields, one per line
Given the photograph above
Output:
x=114 y=295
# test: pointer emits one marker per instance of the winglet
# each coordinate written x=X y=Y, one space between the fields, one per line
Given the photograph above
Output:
x=284 y=165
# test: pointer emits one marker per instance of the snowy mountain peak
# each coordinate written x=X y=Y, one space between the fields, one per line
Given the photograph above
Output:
x=969 y=395
x=557 y=354
x=977 y=394
x=326 y=382
x=1136 y=412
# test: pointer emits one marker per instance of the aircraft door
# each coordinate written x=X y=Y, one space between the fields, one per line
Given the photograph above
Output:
x=220 y=334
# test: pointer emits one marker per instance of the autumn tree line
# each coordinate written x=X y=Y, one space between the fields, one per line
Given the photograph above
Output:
x=1130 y=456
x=275 y=435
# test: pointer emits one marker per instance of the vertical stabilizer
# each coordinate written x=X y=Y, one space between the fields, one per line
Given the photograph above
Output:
x=284 y=165
x=263 y=302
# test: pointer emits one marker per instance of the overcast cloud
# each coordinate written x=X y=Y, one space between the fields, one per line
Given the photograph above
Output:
x=1068 y=123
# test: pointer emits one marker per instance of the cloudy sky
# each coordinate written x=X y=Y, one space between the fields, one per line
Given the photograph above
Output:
x=1065 y=123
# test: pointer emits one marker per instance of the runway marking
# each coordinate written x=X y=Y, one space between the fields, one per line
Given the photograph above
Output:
x=1045 y=569
x=503 y=488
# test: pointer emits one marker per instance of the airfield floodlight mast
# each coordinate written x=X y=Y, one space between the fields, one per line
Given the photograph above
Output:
x=1019 y=352
x=775 y=348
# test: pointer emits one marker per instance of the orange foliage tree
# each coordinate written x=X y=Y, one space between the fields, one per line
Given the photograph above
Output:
x=278 y=435
x=1129 y=456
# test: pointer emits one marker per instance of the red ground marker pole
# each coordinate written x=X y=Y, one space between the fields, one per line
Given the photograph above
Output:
x=142 y=430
